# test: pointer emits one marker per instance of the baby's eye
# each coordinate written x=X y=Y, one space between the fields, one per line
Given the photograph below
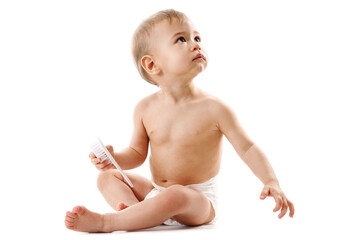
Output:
x=197 y=39
x=181 y=39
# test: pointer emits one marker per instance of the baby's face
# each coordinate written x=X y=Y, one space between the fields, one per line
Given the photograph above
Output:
x=177 y=49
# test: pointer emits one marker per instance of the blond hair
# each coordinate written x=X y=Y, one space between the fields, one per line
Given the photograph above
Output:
x=141 y=38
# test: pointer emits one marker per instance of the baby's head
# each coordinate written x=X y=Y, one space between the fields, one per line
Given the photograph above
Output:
x=148 y=39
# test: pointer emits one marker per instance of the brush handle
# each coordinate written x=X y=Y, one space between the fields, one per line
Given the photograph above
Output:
x=119 y=168
x=115 y=163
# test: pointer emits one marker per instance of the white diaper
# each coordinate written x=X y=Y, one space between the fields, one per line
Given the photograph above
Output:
x=208 y=188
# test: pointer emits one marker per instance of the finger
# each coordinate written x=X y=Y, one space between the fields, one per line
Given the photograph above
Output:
x=264 y=193
x=283 y=209
x=102 y=165
x=107 y=167
x=292 y=209
x=110 y=148
x=96 y=160
x=92 y=155
x=279 y=203
x=105 y=163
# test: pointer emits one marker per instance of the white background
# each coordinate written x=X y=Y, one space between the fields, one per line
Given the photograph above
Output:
x=289 y=69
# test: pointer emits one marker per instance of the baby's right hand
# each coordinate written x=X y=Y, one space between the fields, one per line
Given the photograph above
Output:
x=101 y=166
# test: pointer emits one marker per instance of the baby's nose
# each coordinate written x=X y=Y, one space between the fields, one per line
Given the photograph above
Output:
x=196 y=47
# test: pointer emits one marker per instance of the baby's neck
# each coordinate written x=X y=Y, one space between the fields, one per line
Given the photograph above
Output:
x=178 y=94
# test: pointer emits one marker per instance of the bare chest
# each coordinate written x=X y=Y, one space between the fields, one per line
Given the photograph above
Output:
x=179 y=124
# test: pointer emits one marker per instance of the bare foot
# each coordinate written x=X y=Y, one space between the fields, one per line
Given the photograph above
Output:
x=121 y=206
x=83 y=220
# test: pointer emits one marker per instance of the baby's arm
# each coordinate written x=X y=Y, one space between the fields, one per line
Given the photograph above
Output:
x=254 y=158
x=135 y=155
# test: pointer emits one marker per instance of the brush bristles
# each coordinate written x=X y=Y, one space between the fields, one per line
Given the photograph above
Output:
x=99 y=151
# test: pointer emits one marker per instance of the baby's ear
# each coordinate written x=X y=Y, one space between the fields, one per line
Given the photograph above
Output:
x=148 y=63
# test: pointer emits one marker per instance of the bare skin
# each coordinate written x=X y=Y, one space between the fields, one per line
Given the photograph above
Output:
x=184 y=127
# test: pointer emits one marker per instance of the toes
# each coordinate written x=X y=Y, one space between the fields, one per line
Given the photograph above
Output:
x=78 y=210
x=70 y=215
x=121 y=206
x=118 y=207
x=69 y=222
x=69 y=219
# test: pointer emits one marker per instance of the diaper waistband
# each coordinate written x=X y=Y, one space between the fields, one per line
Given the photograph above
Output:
x=211 y=183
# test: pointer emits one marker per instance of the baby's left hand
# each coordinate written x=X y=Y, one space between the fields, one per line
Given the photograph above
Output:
x=274 y=190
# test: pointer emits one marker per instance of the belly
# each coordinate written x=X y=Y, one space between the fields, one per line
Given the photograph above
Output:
x=179 y=164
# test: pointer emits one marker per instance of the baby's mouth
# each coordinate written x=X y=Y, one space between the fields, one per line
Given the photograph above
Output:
x=199 y=56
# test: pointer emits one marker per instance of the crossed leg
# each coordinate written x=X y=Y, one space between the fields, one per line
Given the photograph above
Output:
x=115 y=190
x=183 y=204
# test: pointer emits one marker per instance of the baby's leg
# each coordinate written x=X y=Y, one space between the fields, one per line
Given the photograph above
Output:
x=115 y=190
x=185 y=205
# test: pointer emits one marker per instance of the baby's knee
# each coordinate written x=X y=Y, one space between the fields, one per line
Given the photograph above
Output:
x=174 y=198
x=105 y=177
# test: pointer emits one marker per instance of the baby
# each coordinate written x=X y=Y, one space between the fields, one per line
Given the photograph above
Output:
x=184 y=126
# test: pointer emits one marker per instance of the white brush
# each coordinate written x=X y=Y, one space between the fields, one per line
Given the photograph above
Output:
x=101 y=152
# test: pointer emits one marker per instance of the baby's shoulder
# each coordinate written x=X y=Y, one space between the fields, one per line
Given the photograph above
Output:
x=218 y=109
x=214 y=103
x=144 y=103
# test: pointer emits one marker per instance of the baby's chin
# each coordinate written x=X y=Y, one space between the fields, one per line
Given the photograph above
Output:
x=202 y=67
